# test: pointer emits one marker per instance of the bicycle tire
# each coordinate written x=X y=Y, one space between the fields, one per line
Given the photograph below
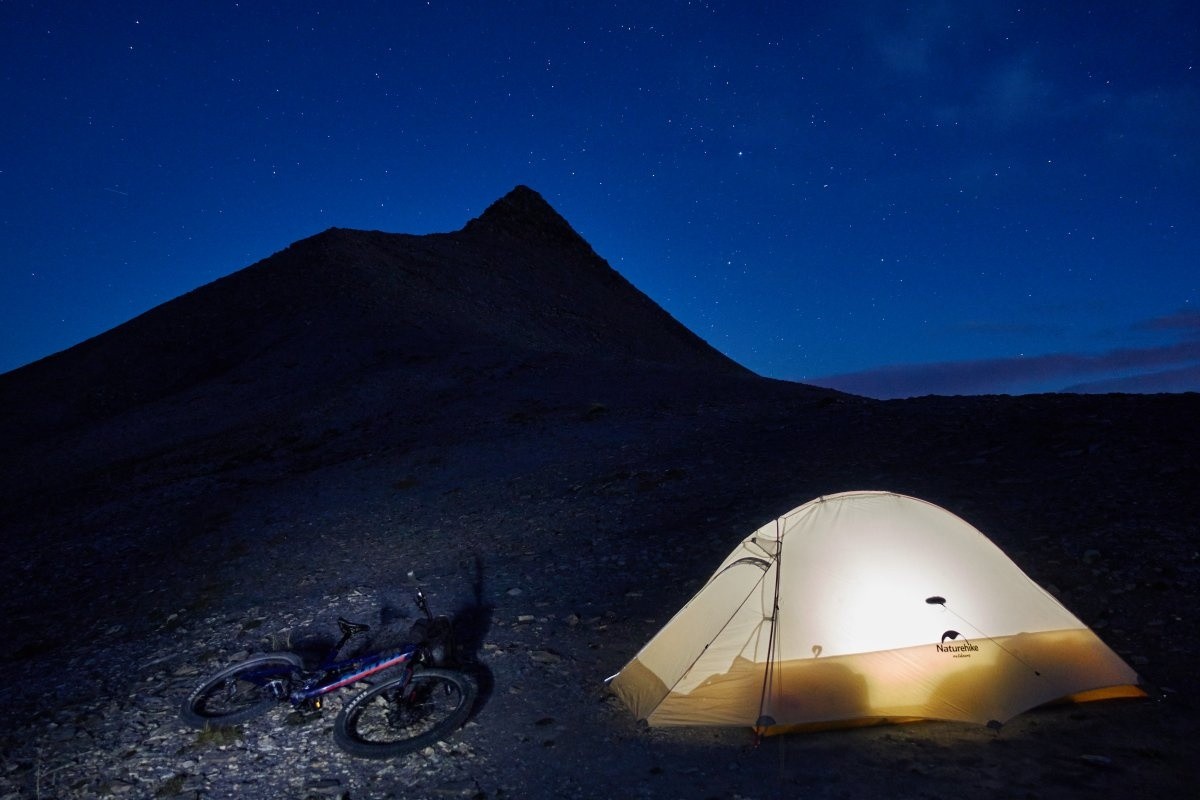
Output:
x=403 y=715
x=241 y=691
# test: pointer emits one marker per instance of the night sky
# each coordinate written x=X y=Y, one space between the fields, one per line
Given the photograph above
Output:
x=953 y=197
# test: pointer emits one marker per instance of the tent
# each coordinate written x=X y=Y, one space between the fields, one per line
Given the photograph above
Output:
x=867 y=607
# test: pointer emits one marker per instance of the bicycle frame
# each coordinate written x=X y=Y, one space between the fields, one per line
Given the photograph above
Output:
x=318 y=682
x=360 y=668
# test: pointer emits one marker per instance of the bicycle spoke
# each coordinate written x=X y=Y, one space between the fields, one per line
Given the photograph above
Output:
x=396 y=716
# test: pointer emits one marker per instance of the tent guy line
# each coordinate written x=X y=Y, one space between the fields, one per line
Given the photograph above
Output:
x=953 y=634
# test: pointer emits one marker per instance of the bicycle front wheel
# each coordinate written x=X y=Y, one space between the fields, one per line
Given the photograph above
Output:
x=400 y=716
x=242 y=691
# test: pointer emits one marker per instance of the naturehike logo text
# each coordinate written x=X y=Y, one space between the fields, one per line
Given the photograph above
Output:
x=963 y=650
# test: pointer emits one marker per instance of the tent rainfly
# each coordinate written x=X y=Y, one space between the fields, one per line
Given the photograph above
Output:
x=867 y=607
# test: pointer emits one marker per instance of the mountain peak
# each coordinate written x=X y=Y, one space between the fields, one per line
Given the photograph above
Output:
x=525 y=214
x=329 y=309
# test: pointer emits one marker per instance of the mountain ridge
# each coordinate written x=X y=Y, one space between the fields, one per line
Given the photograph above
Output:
x=516 y=278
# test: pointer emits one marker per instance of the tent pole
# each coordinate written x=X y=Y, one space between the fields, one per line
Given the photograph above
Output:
x=761 y=724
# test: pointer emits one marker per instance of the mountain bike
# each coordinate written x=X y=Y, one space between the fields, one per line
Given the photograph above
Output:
x=421 y=704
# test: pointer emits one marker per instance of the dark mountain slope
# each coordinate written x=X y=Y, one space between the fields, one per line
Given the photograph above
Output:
x=517 y=280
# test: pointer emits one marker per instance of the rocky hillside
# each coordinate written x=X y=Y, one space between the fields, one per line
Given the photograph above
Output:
x=497 y=415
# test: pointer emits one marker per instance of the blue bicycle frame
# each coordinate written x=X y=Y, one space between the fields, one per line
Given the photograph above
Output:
x=314 y=689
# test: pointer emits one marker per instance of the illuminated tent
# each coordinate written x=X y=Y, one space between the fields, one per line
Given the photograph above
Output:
x=867 y=607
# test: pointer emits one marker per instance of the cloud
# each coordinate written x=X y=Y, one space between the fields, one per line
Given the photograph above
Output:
x=1018 y=91
x=1186 y=321
x=957 y=57
x=1184 y=379
x=1171 y=367
x=925 y=41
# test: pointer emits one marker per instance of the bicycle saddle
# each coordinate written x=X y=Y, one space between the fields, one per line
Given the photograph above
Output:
x=350 y=628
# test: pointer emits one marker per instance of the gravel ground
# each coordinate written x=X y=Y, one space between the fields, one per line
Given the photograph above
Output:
x=561 y=538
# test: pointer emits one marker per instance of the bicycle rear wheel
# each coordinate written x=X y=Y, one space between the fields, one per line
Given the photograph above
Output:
x=242 y=691
x=400 y=716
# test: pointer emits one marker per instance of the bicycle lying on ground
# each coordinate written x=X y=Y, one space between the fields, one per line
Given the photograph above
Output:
x=407 y=711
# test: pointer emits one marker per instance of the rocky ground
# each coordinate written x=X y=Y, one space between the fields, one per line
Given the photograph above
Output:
x=563 y=524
